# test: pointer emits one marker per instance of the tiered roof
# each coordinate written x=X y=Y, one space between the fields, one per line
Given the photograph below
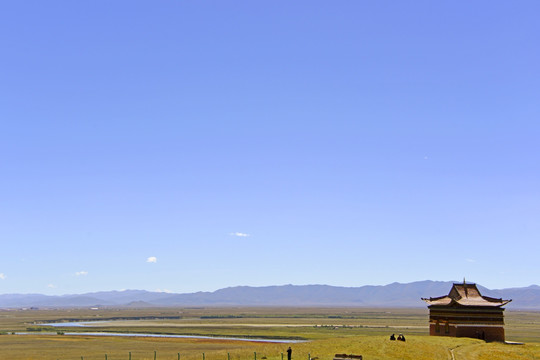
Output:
x=465 y=295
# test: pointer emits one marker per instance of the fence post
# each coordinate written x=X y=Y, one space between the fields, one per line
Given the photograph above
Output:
x=202 y=356
x=255 y=355
x=130 y=355
x=178 y=356
x=308 y=356
x=228 y=356
x=155 y=354
x=281 y=356
x=105 y=356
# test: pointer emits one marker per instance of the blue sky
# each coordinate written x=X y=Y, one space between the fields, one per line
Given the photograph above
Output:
x=194 y=145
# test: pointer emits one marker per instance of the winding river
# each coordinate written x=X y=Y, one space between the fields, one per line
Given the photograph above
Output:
x=100 y=333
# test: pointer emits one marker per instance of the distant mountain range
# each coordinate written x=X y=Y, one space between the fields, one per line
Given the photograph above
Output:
x=392 y=295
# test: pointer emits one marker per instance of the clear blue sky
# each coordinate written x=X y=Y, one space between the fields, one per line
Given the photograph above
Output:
x=195 y=145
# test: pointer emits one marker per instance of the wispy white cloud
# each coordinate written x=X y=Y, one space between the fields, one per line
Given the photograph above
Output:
x=164 y=291
x=3 y=276
x=239 y=234
x=51 y=286
x=470 y=260
x=81 y=273
x=152 y=259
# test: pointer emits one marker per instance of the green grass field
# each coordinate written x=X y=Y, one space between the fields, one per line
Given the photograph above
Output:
x=329 y=331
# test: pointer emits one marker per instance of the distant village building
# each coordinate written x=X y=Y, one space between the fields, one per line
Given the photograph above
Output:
x=464 y=312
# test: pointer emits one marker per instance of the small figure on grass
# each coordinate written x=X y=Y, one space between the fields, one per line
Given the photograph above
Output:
x=401 y=337
x=289 y=353
x=393 y=337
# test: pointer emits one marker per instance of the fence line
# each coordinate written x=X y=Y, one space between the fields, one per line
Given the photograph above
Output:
x=203 y=356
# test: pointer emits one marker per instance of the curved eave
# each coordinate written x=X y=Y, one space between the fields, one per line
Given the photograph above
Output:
x=466 y=304
x=441 y=300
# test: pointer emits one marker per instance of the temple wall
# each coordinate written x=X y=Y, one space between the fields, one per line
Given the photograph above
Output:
x=471 y=316
x=490 y=333
x=483 y=332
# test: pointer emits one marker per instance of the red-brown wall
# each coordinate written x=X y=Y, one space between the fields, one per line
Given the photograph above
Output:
x=488 y=333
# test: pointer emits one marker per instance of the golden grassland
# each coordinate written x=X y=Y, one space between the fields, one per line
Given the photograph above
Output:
x=28 y=347
x=330 y=331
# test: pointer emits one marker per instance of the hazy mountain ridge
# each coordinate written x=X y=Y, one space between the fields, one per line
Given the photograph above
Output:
x=391 y=295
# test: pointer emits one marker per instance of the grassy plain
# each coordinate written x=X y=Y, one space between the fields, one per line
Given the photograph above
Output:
x=329 y=331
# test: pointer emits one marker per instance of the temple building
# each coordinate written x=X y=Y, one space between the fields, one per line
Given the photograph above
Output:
x=464 y=312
